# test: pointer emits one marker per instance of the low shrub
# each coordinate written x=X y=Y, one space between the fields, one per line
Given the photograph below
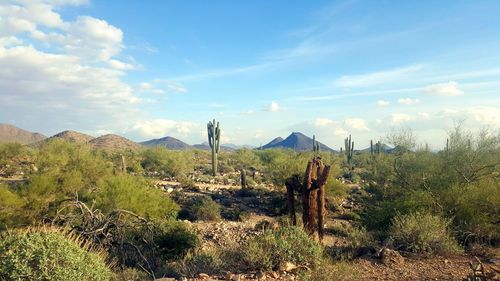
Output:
x=475 y=209
x=327 y=270
x=48 y=254
x=130 y=274
x=422 y=233
x=288 y=244
x=201 y=208
x=236 y=215
x=135 y=194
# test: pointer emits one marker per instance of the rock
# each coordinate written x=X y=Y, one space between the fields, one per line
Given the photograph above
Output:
x=238 y=277
x=273 y=274
x=165 y=279
x=203 y=276
x=391 y=257
x=287 y=266
x=229 y=276
x=170 y=190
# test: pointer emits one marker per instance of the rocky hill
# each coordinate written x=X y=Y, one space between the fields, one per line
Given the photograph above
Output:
x=167 y=142
x=113 y=142
x=73 y=136
x=9 y=133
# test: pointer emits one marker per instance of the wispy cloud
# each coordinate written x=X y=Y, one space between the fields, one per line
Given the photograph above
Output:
x=273 y=107
x=450 y=89
x=408 y=101
x=377 y=78
x=383 y=103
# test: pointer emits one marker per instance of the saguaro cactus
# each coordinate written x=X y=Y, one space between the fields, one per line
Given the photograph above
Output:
x=214 y=142
x=313 y=196
x=315 y=146
x=124 y=164
x=375 y=149
x=349 y=148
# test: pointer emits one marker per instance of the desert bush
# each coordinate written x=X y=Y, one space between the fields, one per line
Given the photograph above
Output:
x=235 y=214
x=423 y=233
x=134 y=194
x=10 y=207
x=208 y=262
x=43 y=254
x=335 y=188
x=167 y=162
x=201 y=208
x=288 y=244
x=130 y=274
x=475 y=210
x=281 y=164
x=378 y=214
x=328 y=270
x=15 y=158
x=59 y=158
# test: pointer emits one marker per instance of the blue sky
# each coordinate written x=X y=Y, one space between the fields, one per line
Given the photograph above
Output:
x=147 y=69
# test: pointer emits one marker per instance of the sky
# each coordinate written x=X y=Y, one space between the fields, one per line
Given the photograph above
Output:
x=149 y=69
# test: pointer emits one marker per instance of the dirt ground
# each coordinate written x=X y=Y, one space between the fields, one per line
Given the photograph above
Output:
x=217 y=234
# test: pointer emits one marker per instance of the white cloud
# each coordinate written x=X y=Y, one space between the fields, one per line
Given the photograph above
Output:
x=398 y=118
x=258 y=133
x=424 y=115
x=156 y=128
x=450 y=89
x=116 y=64
x=340 y=132
x=273 y=107
x=323 y=122
x=383 y=103
x=487 y=116
x=408 y=101
x=356 y=124
x=177 y=88
x=55 y=73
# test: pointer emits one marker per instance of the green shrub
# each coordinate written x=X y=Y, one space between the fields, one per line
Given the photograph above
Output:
x=167 y=162
x=422 y=233
x=48 y=255
x=130 y=274
x=10 y=207
x=236 y=215
x=205 y=209
x=475 y=209
x=288 y=244
x=135 y=194
x=335 y=188
x=327 y=270
x=378 y=215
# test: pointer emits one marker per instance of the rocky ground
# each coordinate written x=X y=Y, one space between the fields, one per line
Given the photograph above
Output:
x=382 y=265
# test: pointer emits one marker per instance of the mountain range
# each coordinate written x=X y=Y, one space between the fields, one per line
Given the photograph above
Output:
x=295 y=141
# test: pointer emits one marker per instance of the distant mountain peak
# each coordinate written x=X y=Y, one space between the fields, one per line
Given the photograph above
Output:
x=167 y=142
x=73 y=136
x=113 y=142
x=10 y=133
x=296 y=141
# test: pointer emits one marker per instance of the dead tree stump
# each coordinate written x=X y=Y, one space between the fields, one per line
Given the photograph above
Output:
x=313 y=196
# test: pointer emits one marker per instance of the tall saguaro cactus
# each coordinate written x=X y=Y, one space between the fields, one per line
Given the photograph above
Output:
x=315 y=146
x=214 y=142
x=349 y=148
